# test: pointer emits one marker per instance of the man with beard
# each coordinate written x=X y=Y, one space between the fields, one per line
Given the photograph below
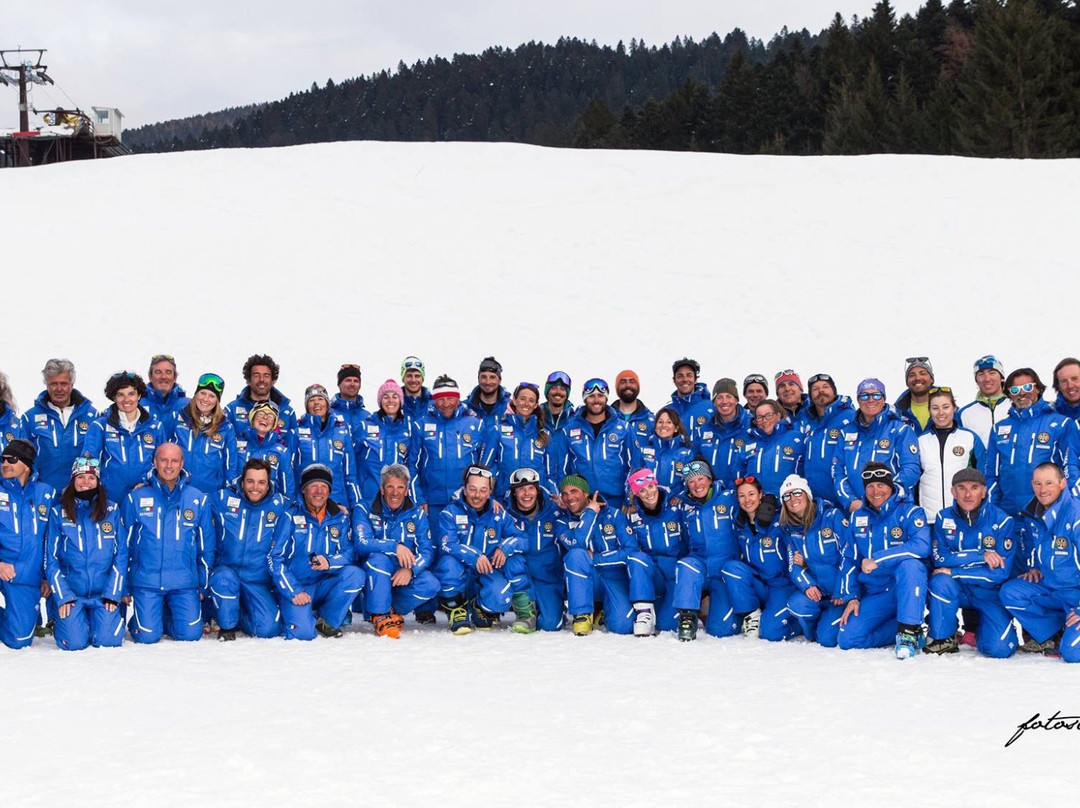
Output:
x=557 y=412
x=630 y=408
x=691 y=397
x=261 y=374
x=489 y=399
x=599 y=445
x=720 y=439
x=823 y=424
x=417 y=398
x=163 y=395
x=914 y=405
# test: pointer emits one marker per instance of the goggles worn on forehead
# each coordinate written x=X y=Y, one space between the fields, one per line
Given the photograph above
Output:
x=877 y=475
x=595 y=386
x=213 y=381
x=559 y=377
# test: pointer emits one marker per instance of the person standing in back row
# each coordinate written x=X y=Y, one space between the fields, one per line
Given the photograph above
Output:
x=57 y=423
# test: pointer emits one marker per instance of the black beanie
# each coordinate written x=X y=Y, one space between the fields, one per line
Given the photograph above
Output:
x=23 y=450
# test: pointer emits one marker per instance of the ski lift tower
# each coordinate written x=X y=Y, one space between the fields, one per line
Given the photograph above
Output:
x=26 y=70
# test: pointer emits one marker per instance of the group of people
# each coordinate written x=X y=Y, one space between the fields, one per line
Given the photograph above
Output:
x=848 y=522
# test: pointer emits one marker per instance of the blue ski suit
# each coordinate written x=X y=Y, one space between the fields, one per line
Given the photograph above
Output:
x=240 y=584
x=771 y=458
x=213 y=463
x=822 y=437
x=604 y=564
x=10 y=425
x=57 y=445
x=448 y=446
x=1021 y=442
x=274 y=450
x=164 y=407
x=354 y=414
x=897 y=538
x=660 y=535
x=86 y=565
x=558 y=447
x=666 y=457
x=641 y=422
x=515 y=444
x=170 y=538
x=544 y=560
x=602 y=458
x=1051 y=538
x=465 y=534
x=381 y=441
x=24 y=520
x=489 y=416
x=299 y=535
x=239 y=407
x=126 y=457
x=695 y=409
x=386 y=530
x=416 y=407
x=327 y=441
x=759 y=579
x=960 y=543
x=722 y=444
x=710 y=533
x=887 y=439
x=821 y=547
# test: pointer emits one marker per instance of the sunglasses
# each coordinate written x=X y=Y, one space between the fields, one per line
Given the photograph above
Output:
x=213 y=381
x=595 y=386
x=161 y=357
x=529 y=386
x=779 y=373
x=790 y=494
x=123 y=374
x=933 y=390
x=350 y=366
x=559 y=377
x=747 y=479
x=479 y=471
x=876 y=474
x=913 y=359
x=9 y=459
x=1017 y=389
x=874 y=396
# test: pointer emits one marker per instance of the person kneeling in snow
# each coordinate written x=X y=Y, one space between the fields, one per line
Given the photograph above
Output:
x=604 y=564
x=246 y=517
x=312 y=560
x=974 y=546
x=399 y=553
x=883 y=576
x=481 y=570
x=1046 y=598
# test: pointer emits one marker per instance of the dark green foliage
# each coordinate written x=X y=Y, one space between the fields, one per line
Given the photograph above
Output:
x=978 y=77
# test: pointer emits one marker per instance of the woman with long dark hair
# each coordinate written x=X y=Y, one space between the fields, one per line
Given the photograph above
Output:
x=86 y=561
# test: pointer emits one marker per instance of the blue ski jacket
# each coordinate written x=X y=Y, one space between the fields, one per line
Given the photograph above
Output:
x=821 y=546
x=961 y=540
x=710 y=528
x=822 y=437
x=895 y=532
x=299 y=534
x=466 y=534
x=126 y=457
x=57 y=445
x=381 y=441
x=886 y=439
x=447 y=447
x=1051 y=541
x=388 y=528
x=515 y=444
x=274 y=450
x=24 y=522
x=722 y=444
x=213 y=463
x=164 y=407
x=245 y=531
x=328 y=442
x=86 y=559
x=603 y=458
x=771 y=458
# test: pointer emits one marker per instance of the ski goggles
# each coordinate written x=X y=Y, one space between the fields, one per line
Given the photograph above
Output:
x=782 y=373
x=1026 y=387
x=123 y=374
x=558 y=377
x=988 y=362
x=595 y=386
x=86 y=465
x=754 y=378
x=872 y=395
x=877 y=476
x=411 y=363
x=211 y=381
x=529 y=386
x=819 y=377
x=524 y=476
x=267 y=407
x=696 y=468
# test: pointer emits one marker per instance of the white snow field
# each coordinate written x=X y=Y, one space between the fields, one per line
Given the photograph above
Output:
x=584 y=261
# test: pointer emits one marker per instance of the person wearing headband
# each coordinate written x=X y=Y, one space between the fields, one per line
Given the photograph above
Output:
x=883 y=577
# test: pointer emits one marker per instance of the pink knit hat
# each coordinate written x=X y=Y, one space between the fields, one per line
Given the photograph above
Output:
x=390 y=386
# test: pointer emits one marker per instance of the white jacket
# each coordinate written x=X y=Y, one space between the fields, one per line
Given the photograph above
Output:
x=963 y=448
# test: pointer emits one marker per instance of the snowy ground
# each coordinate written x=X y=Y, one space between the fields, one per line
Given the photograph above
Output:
x=587 y=261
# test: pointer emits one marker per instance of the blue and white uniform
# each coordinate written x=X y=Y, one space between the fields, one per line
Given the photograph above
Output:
x=543 y=560
x=386 y=529
x=170 y=538
x=448 y=446
x=821 y=546
x=240 y=584
x=298 y=536
x=759 y=579
x=886 y=439
x=722 y=444
x=897 y=538
x=212 y=461
x=86 y=565
x=272 y=448
x=126 y=456
x=771 y=458
x=710 y=533
x=24 y=520
x=960 y=543
x=659 y=534
x=666 y=458
x=239 y=407
x=600 y=455
x=327 y=441
x=516 y=444
x=822 y=436
x=163 y=407
x=382 y=441
x=58 y=442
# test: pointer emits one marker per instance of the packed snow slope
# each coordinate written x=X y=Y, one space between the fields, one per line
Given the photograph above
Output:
x=584 y=261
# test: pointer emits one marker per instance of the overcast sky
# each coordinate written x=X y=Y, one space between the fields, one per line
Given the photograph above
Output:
x=157 y=61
